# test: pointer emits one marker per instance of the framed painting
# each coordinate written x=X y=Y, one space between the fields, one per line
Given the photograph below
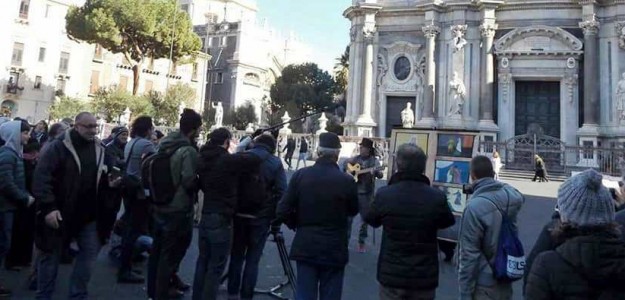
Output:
x=455 y=145
x=451 y=172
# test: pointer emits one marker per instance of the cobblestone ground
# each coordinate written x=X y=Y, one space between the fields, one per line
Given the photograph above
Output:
x=360 y=280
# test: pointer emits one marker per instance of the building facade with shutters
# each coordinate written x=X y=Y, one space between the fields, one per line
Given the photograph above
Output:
x=39 y=63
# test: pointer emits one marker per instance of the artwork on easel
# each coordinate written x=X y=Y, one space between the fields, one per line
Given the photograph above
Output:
x=406 y=136
x=456 y=199
x=453 y=172
x=455 y=145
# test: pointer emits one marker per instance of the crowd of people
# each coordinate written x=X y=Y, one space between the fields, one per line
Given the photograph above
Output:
x=141 y=191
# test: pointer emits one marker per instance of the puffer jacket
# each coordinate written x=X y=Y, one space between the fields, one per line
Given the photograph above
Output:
x=13 y=193
x=184 y=163
x=479 y=232
x=583 y=267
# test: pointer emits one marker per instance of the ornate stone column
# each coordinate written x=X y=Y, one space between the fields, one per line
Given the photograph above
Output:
x=365 y=118
x=430 y=31
x=591 y=71
x=488 y=75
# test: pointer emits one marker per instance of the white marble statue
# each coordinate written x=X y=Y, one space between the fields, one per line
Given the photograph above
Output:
x=620 y=98
x=458 y=40
x=219 y=114
x=457 y=93
x=407 y=116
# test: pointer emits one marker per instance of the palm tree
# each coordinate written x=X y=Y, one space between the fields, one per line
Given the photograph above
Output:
x=341 y=72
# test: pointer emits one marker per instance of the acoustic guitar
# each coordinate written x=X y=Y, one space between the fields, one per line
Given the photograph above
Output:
x=355 y=169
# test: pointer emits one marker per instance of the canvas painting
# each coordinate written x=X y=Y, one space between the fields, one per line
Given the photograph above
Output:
x=453 y=172
x=419 y=139
x=455 y=145
x=455 y=198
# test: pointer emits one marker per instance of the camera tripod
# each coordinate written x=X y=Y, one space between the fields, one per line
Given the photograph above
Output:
x=278 y=238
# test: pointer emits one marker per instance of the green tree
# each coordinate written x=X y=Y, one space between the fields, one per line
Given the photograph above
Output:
x=140 y=106
x=111 y=102
x=138 y=29
x=341 y=72
x=67 y=107
x=166 y=107
x=244 y=115
x=301 y=89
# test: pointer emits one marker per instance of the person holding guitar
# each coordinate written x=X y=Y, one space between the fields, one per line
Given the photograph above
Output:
x=366 y=160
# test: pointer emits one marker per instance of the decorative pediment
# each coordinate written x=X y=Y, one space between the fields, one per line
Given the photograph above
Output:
x=538 y=40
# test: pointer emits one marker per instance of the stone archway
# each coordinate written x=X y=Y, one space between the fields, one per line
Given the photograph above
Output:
x=536 y=54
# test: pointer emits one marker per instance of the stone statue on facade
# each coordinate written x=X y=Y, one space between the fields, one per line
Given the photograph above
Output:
x=458 y=37
x=407 y=116
x=382 y=69
x=620 y=98
x=457 y=94
x=219 y=114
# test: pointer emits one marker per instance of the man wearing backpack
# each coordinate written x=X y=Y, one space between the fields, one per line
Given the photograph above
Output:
x=259 y=192
x=480 y=231
x=172 y=220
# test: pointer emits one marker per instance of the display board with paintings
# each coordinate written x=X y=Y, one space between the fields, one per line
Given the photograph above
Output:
x=449 y=156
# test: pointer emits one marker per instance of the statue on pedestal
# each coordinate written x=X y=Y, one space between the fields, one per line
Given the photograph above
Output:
x=620 y=98
x=407 y=116
x=219 y=114
x=457 y=94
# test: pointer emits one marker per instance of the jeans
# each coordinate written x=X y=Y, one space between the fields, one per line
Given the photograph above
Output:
x=389 y=293
x=89 y=244
x=302 y=157
x=6 y=229
x=215 y=238
x=319 y=280
x=172 y=235
x=249 y=240
x=135 y=220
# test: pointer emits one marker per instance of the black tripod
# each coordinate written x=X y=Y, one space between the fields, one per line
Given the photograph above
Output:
x=278 y=238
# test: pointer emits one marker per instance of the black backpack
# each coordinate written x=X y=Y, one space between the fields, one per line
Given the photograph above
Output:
x=253 y=188
x=157 y=176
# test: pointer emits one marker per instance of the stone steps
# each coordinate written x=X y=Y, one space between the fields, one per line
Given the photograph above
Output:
x=529 y=174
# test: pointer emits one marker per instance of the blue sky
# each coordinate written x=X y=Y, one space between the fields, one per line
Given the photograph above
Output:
x=319 y=23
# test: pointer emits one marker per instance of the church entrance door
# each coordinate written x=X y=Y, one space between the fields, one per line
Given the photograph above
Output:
x=394 y=106
x=537 y=105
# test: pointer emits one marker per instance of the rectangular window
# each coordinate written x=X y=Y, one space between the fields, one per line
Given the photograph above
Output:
x=95 y=82
x=219 y=78
x=214 y=42
x=185 y=8
x=99 y=53
x=42 y=54
x=24 y=7
x=194 y=72
x=224 y=41
x=588 y=154
x=18 y=53
x=149 y=85
x=47 y=15
x=64 y=63
x=60 y=85
x=37 y=85
x=123 y=83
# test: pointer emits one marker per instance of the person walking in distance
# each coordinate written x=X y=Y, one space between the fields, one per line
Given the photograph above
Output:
x=366 y=186
x=71 y=183
x=411 y=212
x=258 y=194
x=290 y=149
x=496 y=164
x=317 y=204
x=303 y=152
x=13 y=192
x=172 y=222
x=540 y=170
x=589 y=259
x=479 y=232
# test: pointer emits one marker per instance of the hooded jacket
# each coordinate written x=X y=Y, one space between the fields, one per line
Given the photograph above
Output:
x=184 y=163
x=13 y=193
x=583 y=267
x=479 y=232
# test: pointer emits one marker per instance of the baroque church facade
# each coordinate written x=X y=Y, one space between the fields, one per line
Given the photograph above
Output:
x=504 y=68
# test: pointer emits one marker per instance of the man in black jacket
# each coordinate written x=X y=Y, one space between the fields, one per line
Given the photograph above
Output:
x=289 y=148
x=70 y=185
x=411 y=212
x=317 y=203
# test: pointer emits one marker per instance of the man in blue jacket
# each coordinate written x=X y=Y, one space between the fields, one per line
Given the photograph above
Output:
x=251 y=229
x=317 y=204
x=13 y=193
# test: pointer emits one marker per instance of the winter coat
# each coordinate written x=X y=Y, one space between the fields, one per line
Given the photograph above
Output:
x=479 y=232
x=273 y=172
x=411 y=212
x=13 y=192
x=619 y=218
x=317 y=203
x=583 y=267
x=544 y=242
x=219 y=171
x=55 y=187
x=184 y=163
x=290 y=146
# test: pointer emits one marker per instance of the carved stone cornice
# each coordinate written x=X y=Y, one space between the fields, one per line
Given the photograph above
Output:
x=368 y=32
x=361 y=9
x=487 y=30
x=503 y=45
x=590 y=26
x=431 y=31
